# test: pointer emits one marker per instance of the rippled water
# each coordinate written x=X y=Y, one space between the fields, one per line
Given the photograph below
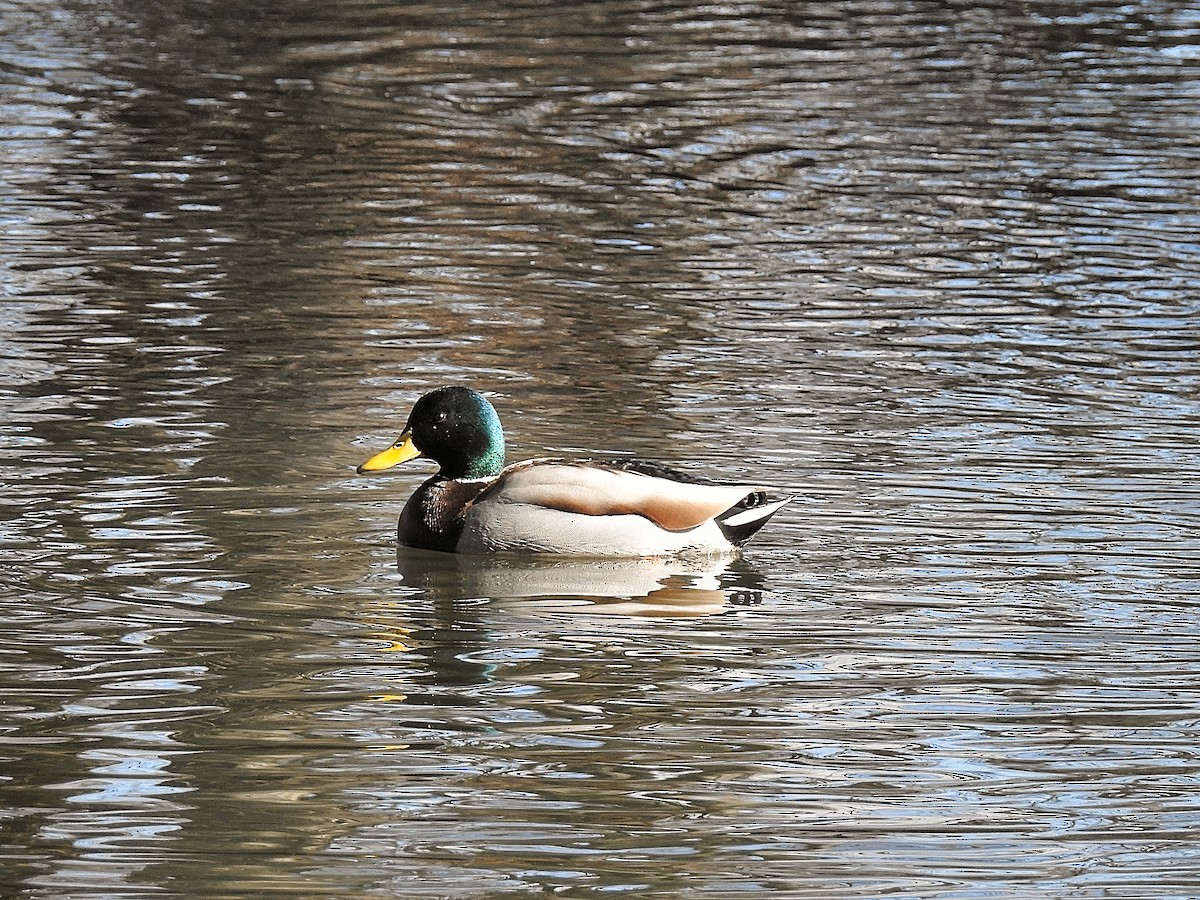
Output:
x=932 y=268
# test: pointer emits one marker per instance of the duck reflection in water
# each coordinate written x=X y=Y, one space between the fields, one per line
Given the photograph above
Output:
x=651 y=587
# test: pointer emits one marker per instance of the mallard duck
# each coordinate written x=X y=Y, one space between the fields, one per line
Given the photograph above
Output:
x=475 y=504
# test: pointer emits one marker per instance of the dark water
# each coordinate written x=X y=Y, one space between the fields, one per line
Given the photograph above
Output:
x=932 y=267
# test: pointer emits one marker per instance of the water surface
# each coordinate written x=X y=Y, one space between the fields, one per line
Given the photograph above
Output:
x=932 y=269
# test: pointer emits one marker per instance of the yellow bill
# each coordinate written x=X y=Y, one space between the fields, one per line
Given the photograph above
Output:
x=400 y=452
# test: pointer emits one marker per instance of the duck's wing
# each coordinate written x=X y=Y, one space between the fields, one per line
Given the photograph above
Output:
x=600 y=490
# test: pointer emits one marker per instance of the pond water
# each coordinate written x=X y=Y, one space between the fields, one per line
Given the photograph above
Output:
x=931 y=268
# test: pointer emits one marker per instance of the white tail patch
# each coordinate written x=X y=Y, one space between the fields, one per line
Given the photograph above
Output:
x=754 y=513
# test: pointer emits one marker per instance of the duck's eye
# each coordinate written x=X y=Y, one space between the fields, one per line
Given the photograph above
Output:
x=441 y=417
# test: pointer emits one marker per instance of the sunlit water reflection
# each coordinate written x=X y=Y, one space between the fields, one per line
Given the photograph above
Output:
x=933 y=270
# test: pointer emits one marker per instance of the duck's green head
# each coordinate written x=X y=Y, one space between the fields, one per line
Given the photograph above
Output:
x=457 y=428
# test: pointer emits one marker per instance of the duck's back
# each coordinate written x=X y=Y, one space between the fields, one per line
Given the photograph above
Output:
x=552 y=506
